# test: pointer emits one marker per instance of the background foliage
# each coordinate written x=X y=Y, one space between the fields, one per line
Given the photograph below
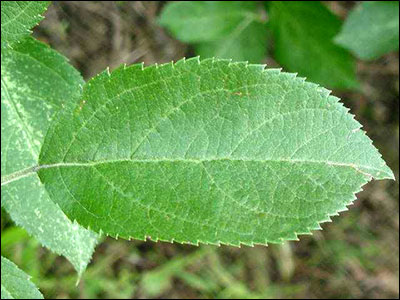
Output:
x=356 y=257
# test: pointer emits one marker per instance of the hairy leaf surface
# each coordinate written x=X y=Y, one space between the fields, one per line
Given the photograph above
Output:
x=206 y=151
x=371 y=29
x=35 y=83
x=224 y=29
x=19 y=17
x=303 y=32
x=15 y=284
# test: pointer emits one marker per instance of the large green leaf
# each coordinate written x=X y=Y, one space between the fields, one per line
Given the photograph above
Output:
x=18 y=17
x=371 y=29
x=224 y=29
x=35 y=83
x=303 y=32
x=206 y=151
x=15 y=284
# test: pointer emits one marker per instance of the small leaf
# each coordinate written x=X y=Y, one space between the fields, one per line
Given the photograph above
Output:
x=371 y=29
x=19 y=17
x=303 y=32
x=15 y=284
x=35 y=83
x=224 y=29
x=206 y=151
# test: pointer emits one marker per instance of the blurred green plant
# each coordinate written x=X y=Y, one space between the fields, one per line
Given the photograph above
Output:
x=224 y=29
x=304 y=34
x=371 y=29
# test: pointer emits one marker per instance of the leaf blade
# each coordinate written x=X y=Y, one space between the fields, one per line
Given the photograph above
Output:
x=183 y=152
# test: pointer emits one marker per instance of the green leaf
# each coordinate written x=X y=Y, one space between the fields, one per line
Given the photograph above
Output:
x=15 y=284
x=206 y=151
x=35 y=83
x=303 y=33
x=371 y=29
x=224 y=29
x=19 y=17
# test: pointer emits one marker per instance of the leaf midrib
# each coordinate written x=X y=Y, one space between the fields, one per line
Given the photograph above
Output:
x=24 y=173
